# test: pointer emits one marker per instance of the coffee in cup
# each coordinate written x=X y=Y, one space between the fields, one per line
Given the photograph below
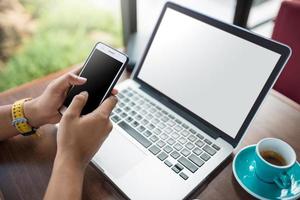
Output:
x=273 y=157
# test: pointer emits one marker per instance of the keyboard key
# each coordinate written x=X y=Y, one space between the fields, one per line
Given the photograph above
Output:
x=144 y=122
x=163 y=136
x=161 y=125
x=131 y=104
x=154 y=149
x=168 y=163
x=190 y=166
x=171 y=116
x=164 y=119
x=155 y=121
x=136 y=135
x=121 y=104
x=127 y=109
x=152 y=110
x=116 y=118
x=178 y=147
x=132 y=113
x=178 y=121
x=208 y=141
x=162 y=156
x=149 y=116
x=158 y=108
x=192 y=138
x=154 y=138
x=164 y=112
x=123 y=115
x=185 y=152
x=175 y=154
x=192 y=131
x=197 y=151
x=150 y=126
x=171 y=123
x=138 y=117
x=178 y=128
x=168 y=130
x=183 y=175
x=158 y=114
x=137 y=108
x=135 y=98
x=185 y=126
x=177 y=168
x=196 y=160
x=135 y=124
x=118 y=110
x=200 y=136
x=170 y=141
x=145 y=106
x=168 y=149
x=143 y=112
x=189 y=145
x=141 y=102
x=182 y=140
x=216 y=147
x=157 y=131
x=205 y=156
x=141 y=128
x=175 y=135
x=199 y=143
x=160 y=143
x=147 y=133
x=185 y=133
x=209 y=150
x=129 y=119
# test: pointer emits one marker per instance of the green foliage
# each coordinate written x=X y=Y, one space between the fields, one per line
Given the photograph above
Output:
x=65 y=35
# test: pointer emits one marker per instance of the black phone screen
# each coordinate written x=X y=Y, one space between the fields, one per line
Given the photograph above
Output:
x=100 y=71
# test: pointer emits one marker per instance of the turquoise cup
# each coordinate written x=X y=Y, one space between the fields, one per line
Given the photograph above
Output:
x=270 y=173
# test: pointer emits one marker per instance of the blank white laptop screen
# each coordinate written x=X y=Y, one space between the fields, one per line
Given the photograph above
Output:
x=212 y=73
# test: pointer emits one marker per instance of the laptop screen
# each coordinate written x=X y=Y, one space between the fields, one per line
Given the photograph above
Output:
x=212 y=73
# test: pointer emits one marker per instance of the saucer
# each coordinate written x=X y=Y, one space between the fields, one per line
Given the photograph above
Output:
x=244 y=171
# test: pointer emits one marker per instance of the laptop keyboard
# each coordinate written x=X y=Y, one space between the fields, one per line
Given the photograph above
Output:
x=162 y=133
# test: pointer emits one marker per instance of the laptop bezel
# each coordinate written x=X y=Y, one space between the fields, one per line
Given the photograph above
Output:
x=202 y=124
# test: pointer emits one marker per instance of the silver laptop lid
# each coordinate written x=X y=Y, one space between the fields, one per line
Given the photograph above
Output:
x=217 y=74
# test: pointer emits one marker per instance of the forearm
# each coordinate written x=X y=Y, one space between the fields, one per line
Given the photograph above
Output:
x=6 y=129
x=66 y=180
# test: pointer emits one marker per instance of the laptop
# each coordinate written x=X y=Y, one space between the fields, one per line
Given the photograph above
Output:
x=187 y=105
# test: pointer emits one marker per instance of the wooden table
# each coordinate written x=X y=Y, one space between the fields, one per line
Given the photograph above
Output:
x=26 y=162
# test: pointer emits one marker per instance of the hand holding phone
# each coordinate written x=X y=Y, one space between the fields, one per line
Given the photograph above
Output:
x=102 y=70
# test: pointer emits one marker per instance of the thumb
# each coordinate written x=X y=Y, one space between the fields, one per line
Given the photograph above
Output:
x=62 y=83
x=77 y=104
x=106 y=107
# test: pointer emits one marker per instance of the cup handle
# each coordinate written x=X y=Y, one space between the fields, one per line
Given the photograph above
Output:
x=283 y=181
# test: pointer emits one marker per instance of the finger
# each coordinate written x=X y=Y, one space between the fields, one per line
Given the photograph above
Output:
x=106 y=107
x=77 y=104
x=64 y=82
x=114 y=91
x=76 y=70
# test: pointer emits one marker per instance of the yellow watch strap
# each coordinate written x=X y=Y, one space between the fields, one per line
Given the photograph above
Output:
x=19 y=120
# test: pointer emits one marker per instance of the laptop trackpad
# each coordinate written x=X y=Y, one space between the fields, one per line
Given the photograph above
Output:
x=118 y=155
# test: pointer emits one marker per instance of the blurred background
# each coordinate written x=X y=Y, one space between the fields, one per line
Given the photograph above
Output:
x=39 y=37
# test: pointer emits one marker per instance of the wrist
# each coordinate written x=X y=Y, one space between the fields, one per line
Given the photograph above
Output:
x=62 y=160
x=31 y=112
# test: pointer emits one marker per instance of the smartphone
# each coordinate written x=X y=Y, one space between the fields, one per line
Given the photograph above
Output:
x=102 y=70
